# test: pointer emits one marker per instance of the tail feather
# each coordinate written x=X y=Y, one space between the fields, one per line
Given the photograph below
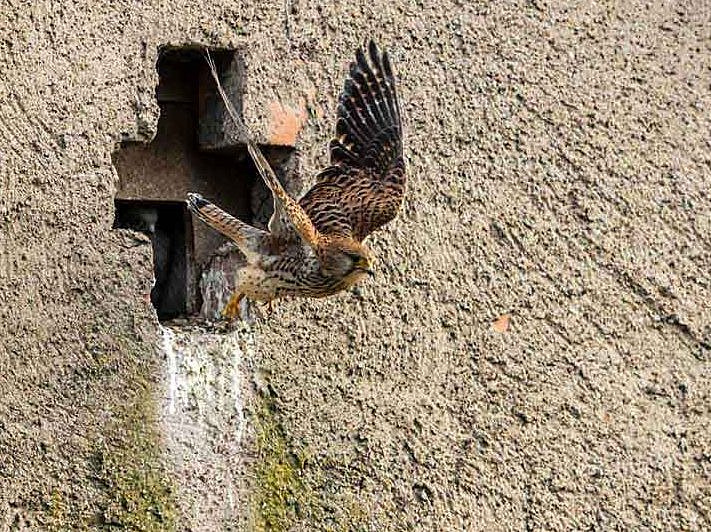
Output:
x=247 y=238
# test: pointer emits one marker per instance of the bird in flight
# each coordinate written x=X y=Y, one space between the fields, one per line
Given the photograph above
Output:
x=315 y=247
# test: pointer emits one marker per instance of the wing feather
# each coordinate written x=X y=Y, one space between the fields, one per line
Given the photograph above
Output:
x=365 y=184
x=364 y=187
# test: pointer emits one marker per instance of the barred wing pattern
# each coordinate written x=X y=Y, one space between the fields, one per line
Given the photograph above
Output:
x=363 y=188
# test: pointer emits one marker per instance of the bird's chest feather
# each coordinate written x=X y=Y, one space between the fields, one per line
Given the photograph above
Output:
x=292 y=275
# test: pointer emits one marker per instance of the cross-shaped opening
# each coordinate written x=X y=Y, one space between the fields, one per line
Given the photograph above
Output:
x=196 y=149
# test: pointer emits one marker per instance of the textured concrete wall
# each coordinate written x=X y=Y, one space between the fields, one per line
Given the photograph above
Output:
x=534 y=352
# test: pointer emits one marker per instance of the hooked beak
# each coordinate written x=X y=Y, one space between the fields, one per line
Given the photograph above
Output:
x=365 y=266
x=366 y=269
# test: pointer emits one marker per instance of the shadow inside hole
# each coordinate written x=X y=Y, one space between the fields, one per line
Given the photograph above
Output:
x=167 y=224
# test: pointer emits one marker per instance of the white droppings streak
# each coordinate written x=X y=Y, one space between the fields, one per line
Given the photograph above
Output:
x=203 y=417
x=238 y=401
x=167 y=340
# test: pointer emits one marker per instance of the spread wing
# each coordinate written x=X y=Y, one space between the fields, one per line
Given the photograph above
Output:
x=364 y=187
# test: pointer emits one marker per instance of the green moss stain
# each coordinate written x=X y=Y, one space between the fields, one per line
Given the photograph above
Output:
x=280 y=495
x=292 y=490
x=139 y=495
x=57 y=506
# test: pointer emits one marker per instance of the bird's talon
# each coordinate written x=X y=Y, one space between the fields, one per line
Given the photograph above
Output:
x=231 y=310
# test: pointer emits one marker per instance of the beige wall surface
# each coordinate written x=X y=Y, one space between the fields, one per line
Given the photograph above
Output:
x=534 y=351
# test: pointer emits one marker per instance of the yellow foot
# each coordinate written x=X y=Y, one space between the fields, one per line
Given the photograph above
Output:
x=231 y=310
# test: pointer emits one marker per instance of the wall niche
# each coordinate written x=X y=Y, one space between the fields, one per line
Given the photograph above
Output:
x=196 y=149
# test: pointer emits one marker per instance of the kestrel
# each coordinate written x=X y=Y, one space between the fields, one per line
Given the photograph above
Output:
x=314 y=247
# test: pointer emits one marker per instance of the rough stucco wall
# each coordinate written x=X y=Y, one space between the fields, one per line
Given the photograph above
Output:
x=559 y=167
x=78 y=365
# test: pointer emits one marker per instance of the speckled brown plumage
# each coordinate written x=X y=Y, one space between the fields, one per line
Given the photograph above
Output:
x=363 y=188
x=314 y=247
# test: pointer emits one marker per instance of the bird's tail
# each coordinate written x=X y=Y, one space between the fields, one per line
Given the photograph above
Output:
x=247 y=238
x=368 y=126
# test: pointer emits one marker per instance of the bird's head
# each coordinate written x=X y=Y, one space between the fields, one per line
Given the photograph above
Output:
x=345 y=257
